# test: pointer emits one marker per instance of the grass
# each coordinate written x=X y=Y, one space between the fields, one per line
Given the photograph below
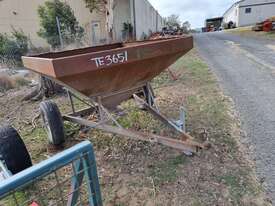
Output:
x=20 y=81
x=240 y=29
x=210 y=110
x=138 y=119
x=236 y=181
x=10 y=200
x=207 y=109
x=168 y=171
x=35 y=141
x=38 y=134
x=71 y=129
x=247 y=32
x=8 y=82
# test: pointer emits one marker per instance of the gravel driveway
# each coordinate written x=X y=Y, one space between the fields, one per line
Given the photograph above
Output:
x=246 y=70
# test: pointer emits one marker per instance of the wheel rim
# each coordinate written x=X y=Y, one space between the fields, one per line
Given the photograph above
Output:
x=47 y=128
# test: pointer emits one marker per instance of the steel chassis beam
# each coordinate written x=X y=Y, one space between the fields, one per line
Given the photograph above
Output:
x=186 y=142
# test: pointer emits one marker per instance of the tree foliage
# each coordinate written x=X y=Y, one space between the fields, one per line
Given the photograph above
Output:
x=71 y=32
x=12 y=47
x=186 y=26
x=95 y=5
x=173 y=21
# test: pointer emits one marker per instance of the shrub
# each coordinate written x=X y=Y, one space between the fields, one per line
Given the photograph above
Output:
x=12 y=47
x=71 y=32
x=96 y=5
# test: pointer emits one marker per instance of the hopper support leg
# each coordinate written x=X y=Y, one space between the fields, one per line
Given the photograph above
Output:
x=186 y=143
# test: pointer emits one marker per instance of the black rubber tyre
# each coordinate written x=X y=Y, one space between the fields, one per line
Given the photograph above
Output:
x=13 y=150
x=53 y=122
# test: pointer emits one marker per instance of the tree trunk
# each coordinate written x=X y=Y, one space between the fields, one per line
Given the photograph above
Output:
x=46 y=88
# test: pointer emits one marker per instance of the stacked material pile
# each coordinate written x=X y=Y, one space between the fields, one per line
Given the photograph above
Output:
x=162 y=35
x=267 y=25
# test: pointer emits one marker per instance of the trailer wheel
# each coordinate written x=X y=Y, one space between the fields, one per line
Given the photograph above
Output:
x=53 y=122
x=13 y=150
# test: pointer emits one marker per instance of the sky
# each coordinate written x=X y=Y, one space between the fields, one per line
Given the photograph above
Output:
x=194 y=11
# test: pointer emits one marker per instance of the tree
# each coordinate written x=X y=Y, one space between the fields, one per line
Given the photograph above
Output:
x=96 y=5
x=12 y=47
x=186 y=27
x=71 y=32
x=173 y=21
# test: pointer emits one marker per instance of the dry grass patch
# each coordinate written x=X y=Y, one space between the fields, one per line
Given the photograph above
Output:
x=20 y=81
x=11 y=82
x=6 y=83
x=247 y=32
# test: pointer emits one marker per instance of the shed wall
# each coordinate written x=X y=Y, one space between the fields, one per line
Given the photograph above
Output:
x=23 y=15
x=258 y=13
x=122 y=14
x=232 y=15
x=147 y=19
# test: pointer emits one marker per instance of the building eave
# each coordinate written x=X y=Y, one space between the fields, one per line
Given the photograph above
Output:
x=233 y=5
x=257 y=4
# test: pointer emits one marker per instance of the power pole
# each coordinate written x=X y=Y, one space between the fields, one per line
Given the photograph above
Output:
x=59 y=32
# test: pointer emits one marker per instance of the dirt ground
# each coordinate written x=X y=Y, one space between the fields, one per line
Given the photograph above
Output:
x=138 y=173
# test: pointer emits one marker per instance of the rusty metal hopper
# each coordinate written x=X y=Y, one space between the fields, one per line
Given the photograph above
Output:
x=105 y=70
x=110 y=74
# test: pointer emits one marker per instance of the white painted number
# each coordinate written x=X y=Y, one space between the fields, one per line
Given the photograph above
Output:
x=111 y=59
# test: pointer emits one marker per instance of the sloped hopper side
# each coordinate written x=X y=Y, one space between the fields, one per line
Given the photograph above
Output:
x=105 y=70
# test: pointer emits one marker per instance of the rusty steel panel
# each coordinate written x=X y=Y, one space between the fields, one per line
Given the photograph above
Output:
x=103 y=70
